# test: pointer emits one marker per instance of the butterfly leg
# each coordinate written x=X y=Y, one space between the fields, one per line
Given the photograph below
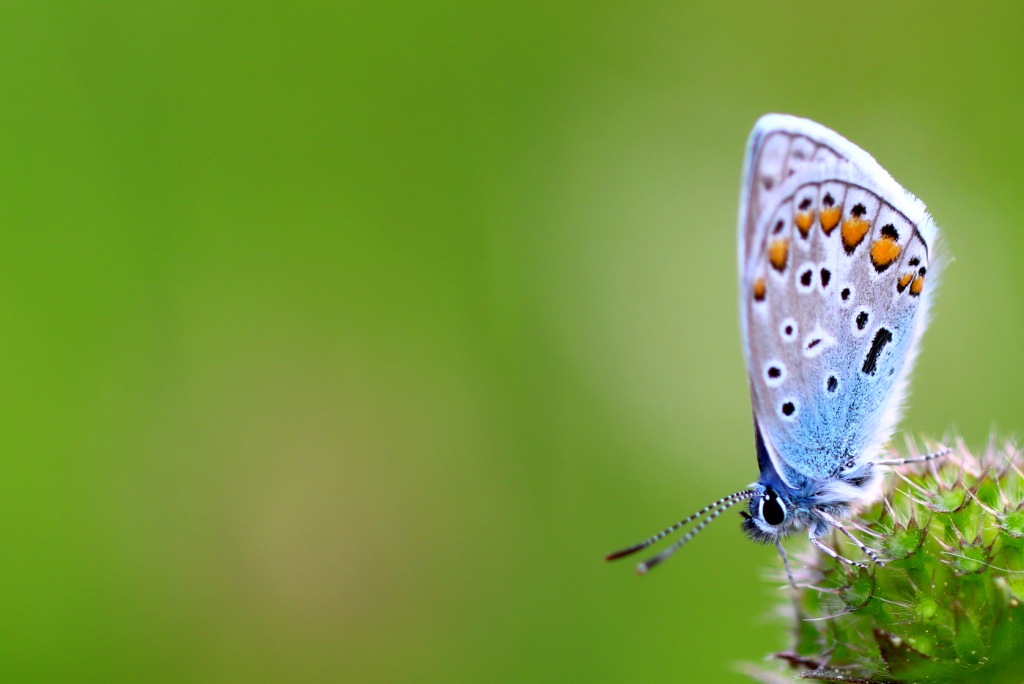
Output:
x=785 y=563
x=916 y=459
x=860 y=545
x=833 y=554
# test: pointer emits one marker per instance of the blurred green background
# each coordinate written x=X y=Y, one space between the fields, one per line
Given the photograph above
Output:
x=341 y=340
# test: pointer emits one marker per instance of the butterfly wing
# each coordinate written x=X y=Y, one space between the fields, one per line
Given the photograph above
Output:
x=834 y=259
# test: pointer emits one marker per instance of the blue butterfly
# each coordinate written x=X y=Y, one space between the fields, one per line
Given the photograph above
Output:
x=836 y=262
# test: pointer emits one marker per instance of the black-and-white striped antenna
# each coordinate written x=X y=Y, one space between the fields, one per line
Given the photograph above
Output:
x=716 y=509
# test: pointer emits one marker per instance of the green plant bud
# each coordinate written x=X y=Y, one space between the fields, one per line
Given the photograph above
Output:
x=945 y=606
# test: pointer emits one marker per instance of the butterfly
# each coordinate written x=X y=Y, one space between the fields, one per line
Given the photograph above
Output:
x=837 y=263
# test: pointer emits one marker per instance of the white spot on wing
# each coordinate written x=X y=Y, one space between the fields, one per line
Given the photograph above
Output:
x=860 y=321
x=805 y=276
x=800 y=154
x=791 y=325
x=846 y=303
x=788 y=409
x=771 y=163
x=776 y=369
x=817 y=342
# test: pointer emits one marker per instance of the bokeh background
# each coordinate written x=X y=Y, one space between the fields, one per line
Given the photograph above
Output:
x=341 y=340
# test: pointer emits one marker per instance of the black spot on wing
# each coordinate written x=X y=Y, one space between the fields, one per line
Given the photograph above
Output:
x=882 y=338
x=862 y=320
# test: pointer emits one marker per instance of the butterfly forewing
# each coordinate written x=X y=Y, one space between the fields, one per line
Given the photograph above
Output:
x=834 y=258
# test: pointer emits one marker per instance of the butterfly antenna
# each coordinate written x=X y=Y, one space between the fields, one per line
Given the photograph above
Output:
x=732 y=498
x=727 y=503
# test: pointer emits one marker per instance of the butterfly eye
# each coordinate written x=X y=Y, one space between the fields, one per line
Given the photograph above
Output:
x=773 y=511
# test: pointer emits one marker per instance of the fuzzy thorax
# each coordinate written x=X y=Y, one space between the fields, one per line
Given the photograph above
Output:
x=811 y=503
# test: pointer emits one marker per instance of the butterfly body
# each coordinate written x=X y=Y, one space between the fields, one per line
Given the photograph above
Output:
x=836 y=269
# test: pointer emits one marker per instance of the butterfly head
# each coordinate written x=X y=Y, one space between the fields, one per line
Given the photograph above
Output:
x=770 y=515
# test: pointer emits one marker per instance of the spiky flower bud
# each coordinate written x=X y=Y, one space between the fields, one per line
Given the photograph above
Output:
x=946 y=605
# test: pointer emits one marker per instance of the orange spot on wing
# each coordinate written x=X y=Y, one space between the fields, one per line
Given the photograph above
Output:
x=853 y=231
x=917 y=285
x=904 y=280
x=829 y=219
x=804 y=221
x=759 y=289
x=884 y=252
x=778 y=253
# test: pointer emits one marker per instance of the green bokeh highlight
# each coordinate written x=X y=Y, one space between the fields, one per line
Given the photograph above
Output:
x=341 y=340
